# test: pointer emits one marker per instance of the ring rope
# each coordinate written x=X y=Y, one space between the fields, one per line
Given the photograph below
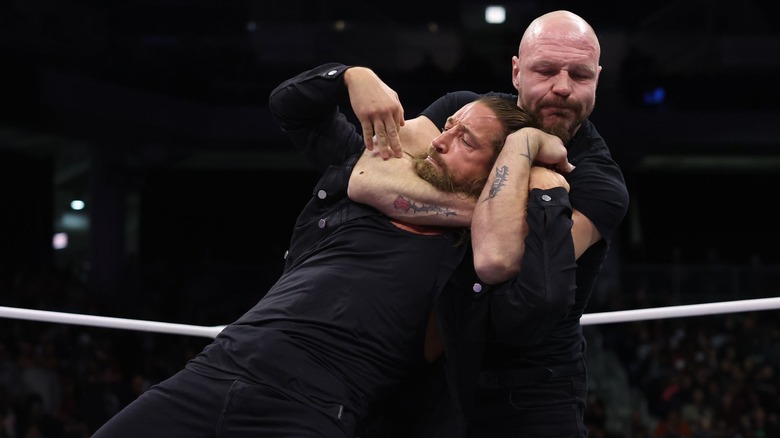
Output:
x=110 y=322
x=681 y=311
x=213 y=331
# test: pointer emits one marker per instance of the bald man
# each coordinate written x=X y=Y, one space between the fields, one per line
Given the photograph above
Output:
x=515 y=361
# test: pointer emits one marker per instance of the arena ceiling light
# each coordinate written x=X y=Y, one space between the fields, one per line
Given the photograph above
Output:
x=495 y=14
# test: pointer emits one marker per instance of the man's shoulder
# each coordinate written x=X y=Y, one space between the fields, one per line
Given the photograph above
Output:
x=588 y=142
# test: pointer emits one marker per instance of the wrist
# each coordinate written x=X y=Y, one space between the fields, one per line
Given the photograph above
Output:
x=535 y=139
x=352 y=74
x=523 y=143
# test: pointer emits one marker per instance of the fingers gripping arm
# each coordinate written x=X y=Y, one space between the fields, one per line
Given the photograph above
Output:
x=394 y=188
x=378 y=109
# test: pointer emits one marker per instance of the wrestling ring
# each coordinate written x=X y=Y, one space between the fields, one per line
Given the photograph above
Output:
x=212 y=331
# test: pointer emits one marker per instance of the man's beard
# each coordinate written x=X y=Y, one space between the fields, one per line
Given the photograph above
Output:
x=441 y=178
x=559 y=129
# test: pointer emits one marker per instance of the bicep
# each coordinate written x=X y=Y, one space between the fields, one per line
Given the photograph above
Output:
x=373 y=176
x=417 y=134
x=376 y=181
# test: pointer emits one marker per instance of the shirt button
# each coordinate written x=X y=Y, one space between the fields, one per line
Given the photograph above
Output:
x=477 y=288
x=332 y=72
x=286 y=253
x=321 y=223
x=322 y=194
x=546 y=198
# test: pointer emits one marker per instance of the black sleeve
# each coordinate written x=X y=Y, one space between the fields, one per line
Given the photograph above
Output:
x=306 y=107
x=599 y=191
x=524 y=309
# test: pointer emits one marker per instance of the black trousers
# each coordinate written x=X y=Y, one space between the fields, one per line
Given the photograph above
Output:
x=193 y=406
x=420 y=408
x=552 y=407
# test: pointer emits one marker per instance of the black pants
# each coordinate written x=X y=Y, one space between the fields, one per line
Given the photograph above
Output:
x=553 y=408
x=192 y=406
x=420 y=408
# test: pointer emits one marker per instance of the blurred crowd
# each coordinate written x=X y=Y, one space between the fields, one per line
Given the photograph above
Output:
x=701 y=377
x=64 y=381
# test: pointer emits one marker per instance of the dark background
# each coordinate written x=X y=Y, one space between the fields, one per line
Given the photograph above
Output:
x=154 y=112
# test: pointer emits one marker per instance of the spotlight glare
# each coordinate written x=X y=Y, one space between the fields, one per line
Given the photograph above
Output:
x=495 y=14
x=59 y=241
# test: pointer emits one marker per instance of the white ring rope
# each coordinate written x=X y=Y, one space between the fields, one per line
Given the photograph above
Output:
x=681 y=311
x=110 y=322
x=213 y=331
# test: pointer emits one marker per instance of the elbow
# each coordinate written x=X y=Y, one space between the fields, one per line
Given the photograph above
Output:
x=496 y=269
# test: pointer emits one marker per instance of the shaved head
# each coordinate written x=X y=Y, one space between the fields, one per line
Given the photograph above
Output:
x=561 y=26
x=557 y=69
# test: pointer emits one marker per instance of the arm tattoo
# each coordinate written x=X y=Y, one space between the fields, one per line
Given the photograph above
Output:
x=498 y=182
x=527 y=154
x=405 y=204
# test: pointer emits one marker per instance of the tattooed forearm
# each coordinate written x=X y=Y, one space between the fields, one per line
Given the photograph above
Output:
x=405 y=204
x=498 y=182
x=527 y=153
